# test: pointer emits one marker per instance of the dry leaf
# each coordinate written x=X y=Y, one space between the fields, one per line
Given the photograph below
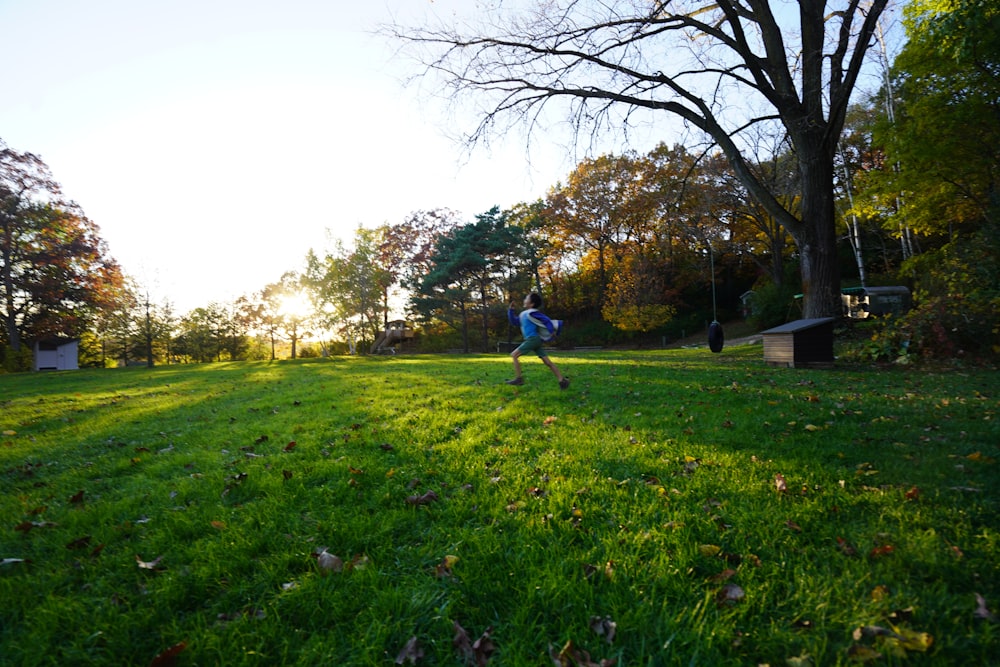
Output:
x=604 y=627
x=779 y=483
x=862 y=653
x=570 y=656
x=150 y=565
x=443 y=569
x=410 y=653
x=478 y=652
x=982 y=611
x=328 y=562
x=846 y=548
x=883 y=550
x=425 y=499
x=725 y=575
x=290 y=446
x=729 y=594
x=168 y=657
x=79 y=543
x=26 y=526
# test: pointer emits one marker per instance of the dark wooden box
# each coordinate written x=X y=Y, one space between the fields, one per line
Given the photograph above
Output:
x=800 y=344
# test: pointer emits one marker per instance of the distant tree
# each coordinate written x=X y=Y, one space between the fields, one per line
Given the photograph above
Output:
x=210 y=333
x=945 y=133
x=725 y=68
x=468 y=271
x=945 y=139
x=55 y=270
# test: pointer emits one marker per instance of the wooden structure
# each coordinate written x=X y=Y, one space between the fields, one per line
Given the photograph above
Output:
x=800 y=344
x=56 y=355
x=864 y=302
x=395 y=333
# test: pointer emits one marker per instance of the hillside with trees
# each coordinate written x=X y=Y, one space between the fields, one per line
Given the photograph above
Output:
x=629 y=247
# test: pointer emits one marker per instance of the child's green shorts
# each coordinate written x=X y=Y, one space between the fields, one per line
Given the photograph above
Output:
x=533 y=344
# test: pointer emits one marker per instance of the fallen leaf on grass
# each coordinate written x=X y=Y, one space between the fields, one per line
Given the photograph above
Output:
x=411 y=652
x=861 y=653
x=77 y=498
x=608 y=570
x=150 y=565
x=880 y=551
x=779 y=483
x=894 y=640
x=801 y=660
x=27 y=526
x=912 y=494
x=168 y=657
x=846 y=548
x=793 y=526
x=603 y=627
x=725 y=575
x=478 y=652
x=571 y=656
x=234 y=481
x=327 y=561
x=904 y=639
x=290 y=446
x=79 y=543
x=12 y=561
x=982 y=611
x=729 y=594
x=424 y=499
x=880 y=592
x=443 y=569
x=709 y=550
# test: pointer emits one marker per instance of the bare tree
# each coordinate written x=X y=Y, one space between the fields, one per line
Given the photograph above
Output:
x=724 y=67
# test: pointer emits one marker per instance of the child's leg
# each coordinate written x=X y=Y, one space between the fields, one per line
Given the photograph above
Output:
x=515 y=356
x=553 y=368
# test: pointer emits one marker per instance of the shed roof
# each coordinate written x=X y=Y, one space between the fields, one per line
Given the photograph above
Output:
x=800 y=325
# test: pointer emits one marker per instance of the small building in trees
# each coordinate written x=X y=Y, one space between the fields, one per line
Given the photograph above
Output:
x=57 y=354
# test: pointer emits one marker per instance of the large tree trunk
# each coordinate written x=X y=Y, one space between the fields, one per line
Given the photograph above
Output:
x=816 y=238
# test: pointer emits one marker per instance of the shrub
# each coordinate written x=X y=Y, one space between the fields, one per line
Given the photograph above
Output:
x=771 y=305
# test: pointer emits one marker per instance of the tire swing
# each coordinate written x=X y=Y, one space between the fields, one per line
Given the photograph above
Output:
x=716 y=339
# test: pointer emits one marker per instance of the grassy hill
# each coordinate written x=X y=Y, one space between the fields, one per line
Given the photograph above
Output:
x=670 y=507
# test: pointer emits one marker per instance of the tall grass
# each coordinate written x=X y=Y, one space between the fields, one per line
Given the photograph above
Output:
x=706 y=508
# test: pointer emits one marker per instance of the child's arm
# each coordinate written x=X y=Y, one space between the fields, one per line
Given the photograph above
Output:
x=542 y=319
x=512 y=317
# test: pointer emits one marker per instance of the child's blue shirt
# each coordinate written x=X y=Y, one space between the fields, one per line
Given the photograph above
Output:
x=530 y=320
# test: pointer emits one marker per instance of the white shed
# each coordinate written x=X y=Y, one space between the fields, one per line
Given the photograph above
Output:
x=57 y=354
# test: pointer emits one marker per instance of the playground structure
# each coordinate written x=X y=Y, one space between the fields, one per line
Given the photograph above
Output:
x=395 y=333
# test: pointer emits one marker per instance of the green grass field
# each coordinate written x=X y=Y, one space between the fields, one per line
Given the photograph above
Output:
x=669 y=508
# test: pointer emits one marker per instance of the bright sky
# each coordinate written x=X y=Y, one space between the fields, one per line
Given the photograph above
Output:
x=214 y=142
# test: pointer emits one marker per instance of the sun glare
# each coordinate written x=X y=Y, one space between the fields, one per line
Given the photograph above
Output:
x=296 y=305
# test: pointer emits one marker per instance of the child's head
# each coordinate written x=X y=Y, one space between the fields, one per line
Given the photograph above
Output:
x=533 y=300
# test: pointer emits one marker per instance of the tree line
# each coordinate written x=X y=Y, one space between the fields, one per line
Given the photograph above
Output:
x=628 y=248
